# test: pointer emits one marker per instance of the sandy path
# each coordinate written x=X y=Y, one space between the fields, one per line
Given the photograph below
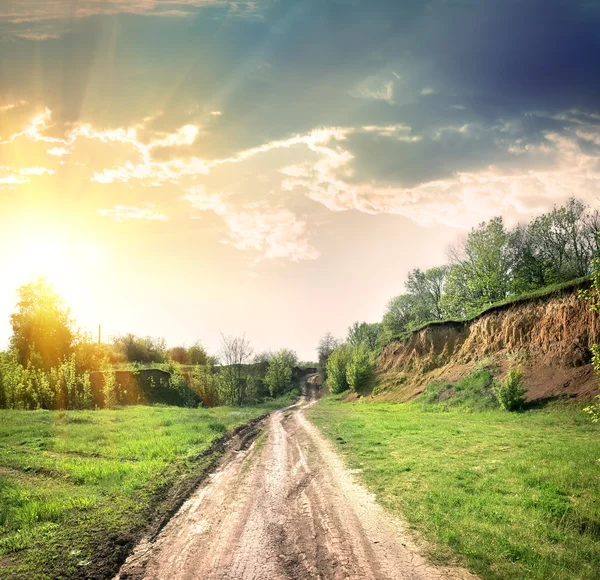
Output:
x=286 y=508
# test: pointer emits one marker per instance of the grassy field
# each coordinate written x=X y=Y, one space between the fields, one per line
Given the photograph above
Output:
x=510 y=495
x=77 y=486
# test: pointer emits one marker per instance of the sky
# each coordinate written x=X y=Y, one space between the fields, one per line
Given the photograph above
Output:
x=186 y=168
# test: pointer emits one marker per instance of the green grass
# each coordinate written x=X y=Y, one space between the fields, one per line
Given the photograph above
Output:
x=473 y=392
x=508 y=495
x=69 y=480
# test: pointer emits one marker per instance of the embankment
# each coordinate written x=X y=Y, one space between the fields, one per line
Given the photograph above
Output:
x=549 y=336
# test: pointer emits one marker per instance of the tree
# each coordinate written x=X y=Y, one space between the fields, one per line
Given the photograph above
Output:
x=197 y=355
x=427 y=288
x=235 y=352
x=480 y=270
x=337 y=367
x=42 y=327
x=279 y=372
x=179 y=354
x=326 y=346
x=399 y=315
x=360 y=368
x=564 y=241
x=142 y=350
x=364 y=333
x=204 y=381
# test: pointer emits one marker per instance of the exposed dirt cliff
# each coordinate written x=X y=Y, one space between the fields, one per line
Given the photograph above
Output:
x=550 y=337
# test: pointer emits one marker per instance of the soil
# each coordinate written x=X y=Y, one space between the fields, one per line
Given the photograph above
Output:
x=284 y=507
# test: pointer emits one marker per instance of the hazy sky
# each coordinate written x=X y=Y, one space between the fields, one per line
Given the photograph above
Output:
x=276 y=167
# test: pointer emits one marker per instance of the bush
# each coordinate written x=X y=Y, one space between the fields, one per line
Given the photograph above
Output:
x=336 y=369
x=279 y=373
x=594 y=410
x=359 y=370
x=511 y=392
x=204 y=381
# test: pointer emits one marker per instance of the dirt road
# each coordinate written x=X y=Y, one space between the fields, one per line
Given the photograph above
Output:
x=285 y=508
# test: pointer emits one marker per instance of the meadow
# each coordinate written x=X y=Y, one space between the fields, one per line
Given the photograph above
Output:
x=509 y=495
x=78 y=487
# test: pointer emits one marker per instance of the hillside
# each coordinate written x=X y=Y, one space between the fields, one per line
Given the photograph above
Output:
x=550 y=336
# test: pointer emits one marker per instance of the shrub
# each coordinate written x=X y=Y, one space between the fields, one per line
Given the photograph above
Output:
x=336 y=368
x=204 y=381
x=511 y=392
x=594 y=409
x=279 y=373
x=359 y=370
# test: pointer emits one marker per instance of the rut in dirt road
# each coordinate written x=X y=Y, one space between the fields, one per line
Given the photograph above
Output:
x=286 y=508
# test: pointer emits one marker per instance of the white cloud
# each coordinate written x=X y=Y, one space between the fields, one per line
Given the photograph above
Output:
x=11 y=106
x=427 y=91
x=129 y=212
x=203 y=201
x=58 y=151
x=271 y=233
x=367 y=91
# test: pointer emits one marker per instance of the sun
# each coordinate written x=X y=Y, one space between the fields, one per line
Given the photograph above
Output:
x=69 y=262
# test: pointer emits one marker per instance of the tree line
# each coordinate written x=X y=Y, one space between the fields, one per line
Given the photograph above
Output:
x=51 y=365
x=492 y=264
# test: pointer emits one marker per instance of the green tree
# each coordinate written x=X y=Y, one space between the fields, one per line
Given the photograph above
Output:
x=365 y=333
x=197 y=355
x=426 y=288
x=360 y=367
x=234 y=355
x=326 y=346
x=42 y=327
x=399 y=315
x=337 y=367
x=279 y=372
x=204 y=380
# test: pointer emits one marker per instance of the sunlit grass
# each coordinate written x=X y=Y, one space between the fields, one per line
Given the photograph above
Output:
x=509 y=495
x=68 y=479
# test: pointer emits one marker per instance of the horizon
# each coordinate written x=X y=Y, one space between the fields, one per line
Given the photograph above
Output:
x=182 y=170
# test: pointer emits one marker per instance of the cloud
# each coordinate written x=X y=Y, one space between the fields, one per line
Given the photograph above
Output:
x=121 y=213
x=10 y=106
x=271 y=233
x=42 y=10
x=58 y=151
x=12 y=176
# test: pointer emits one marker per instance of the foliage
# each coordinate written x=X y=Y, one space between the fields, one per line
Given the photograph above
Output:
x=399 y=315
x=232 y=385
x=511 y=391
x=204 y=381
x=594 y=296
x=325 y=348
x=365 y=333
x=427 y=289
x=360 y=369
x=142 y=350
x=60 y=387
x=279 y=372
x=510 y=496
x=337 y=365
x=494 y=264
x=42 y=327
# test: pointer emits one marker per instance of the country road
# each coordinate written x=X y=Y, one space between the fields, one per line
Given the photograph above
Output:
x=284 y=508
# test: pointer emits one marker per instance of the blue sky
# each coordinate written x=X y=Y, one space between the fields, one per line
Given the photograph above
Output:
x=233 y=166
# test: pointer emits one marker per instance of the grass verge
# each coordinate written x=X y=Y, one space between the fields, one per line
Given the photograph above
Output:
x=78 y=487
x=508 y=495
